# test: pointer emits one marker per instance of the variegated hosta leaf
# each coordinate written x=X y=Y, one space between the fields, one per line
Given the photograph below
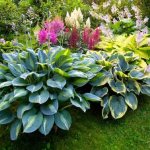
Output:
x=100 y=92
x=4 y=105
x=122 y=63
x=63 y=120
x=15 y=129
x=131 y=100
x=6 y=117
x=19 y=82
x=145 y=90
x=42 y=56
x=47 y=124
x=20 y=92
x=117 y=106
x=79 y=82
x=34 y=87
x=118 y=86
x=136 y=74
x=105 y=105
x=31 y=121
x=5 y=84
x=39 y=98
x=76 y=73
x=91 y=97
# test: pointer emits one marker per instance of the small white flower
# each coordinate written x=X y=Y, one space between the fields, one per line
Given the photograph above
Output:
x=95 y=6
x=88 y=23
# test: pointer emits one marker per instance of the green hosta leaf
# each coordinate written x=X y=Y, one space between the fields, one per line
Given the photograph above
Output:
x=4 y=105
x=32 y=122
x=122 y=63
x=5 y=84
x=76 y=73
x=79 y=82
x=35 y=87
x=147 y=81
x=66 y=94
x=63 y=120
x=9 y=77
x=117 y=86
x=15 y=129
x=121 y=74
x=136 y=74
x=23 y=108
x=104 y=63
x=20 y=93
x=57 y=82
x=39 y=98
x=95 y=68
x=6 y=117
x=3 y=68
x=61 y=72
x=131 y=100
x=19 y=82
x=8 y=97
x=91 y=97
x=16 y=69
x=9 y=57
x=84 y=105
x=50 y=109
x=47 y=124
x=145 y=89
x=106 y=109
x=99 y=80
x=117 y=106
x=42 y=56
x=100 y=92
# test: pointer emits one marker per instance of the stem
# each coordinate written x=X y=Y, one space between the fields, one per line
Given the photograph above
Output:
x=67 y=106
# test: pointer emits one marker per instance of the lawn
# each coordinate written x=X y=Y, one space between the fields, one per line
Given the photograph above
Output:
x=90 y=132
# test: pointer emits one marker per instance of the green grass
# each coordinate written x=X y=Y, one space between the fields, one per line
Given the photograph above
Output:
x=90 y=132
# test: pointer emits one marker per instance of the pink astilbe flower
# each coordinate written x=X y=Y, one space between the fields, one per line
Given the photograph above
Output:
x=53 y=37
x=42 y=36
x=54 y=26
x=74 y=38
x=85 y=35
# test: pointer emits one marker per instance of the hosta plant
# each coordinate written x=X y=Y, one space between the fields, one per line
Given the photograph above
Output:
x=122 y=78
x=36 y=89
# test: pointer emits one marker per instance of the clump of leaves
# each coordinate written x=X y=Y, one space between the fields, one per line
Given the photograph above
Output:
x=121 y=80
x=37 y=87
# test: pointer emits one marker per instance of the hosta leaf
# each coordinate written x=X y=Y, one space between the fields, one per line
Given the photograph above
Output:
x=84 y=105
x=4 y=105
x=39 y=98
x=66 y=93
x=63 y=120
x=117 y=86
x=91 y=97
x=99 y=80
x=9 y=77
x=100 y=92
x=19 y=82
x=121 y=74
x=15 y=129
x=23 y=108
x=20 y=93
x=42 y=56
x=76 y=73
x=47 y=124
x=61 y=72
x=131 y=100
x=57 y=82
x=50 y=109
x=145 y=89
x=122 y=63
x=32 y=122
x=136 y=74
x=5 y=84
x=106 y=109
x=79 y=82
x=6 y=117
x=34 y=87
x=117 y=106
x=147 y=81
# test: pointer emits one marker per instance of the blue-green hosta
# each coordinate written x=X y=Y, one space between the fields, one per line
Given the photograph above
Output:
x=121 y=80
x=37 y=87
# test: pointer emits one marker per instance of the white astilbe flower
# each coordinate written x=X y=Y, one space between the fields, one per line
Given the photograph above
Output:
x=139 y=37
x=145 y=19
x=88 y=23
x=114 y=9
x=106 y=31
x=106 y=4
x=95 y=6
x=106 y=18
x=145 y=30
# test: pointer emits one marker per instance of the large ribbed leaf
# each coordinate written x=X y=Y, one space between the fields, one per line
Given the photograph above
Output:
x=117 y=86
x=47 y=124
x=39 y=98
x=20 y=92
x=32 y=122
x=23 y=108
x=136 y=74
x=4 y=105
x=5 y=84
x=91 y=97
x=76 y=73
x=50 y=108
x=34 y=87
x=15 y=129
x=100 y=92
x=42 y=56
x=56 y=82
x=63 y=120
x=6 y=117
x=19 y=82
x=131 y=100
x=117 y=106
x=79 y=82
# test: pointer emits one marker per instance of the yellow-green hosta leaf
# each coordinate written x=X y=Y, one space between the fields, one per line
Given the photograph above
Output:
x=117 y=106
x=131 y=100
